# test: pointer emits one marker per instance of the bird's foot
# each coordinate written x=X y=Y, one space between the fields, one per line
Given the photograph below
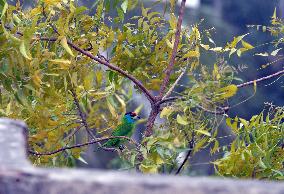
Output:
x=121 y=147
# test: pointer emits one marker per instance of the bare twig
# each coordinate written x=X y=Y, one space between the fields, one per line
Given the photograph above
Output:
x=174 y=52
x=261 y=79
x=174 y=84
x=222 y=110
x=82 y=144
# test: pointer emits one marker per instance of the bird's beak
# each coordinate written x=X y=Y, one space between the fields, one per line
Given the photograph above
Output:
x=137 y=117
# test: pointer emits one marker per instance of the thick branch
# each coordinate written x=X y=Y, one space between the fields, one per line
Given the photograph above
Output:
x=174 y=52
x=117 y=69
x=151 y=120
x=81 y=145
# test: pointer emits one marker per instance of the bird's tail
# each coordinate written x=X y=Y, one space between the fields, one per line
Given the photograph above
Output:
x=101 y=146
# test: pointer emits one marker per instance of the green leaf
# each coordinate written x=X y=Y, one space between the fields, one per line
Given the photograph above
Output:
x=23 y=50
x=204 y=132
x=120 y=14
x=182 y=120
x=228 y=91
x=166 y=112
x=124 y=6
x=3 y=8
x=65 y=45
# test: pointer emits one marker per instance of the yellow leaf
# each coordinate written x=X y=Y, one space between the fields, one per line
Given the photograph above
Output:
x=64 y=43
x=204 y=132
x=37 y=78
x=8 y=109
x=169 y=44
x=192 y=54
x=216 y=72
x=215 y=148
x=64 y=63
x=254 y=85
x=52 y=2
x=112 y=109
x=200 y=144
x=23 y=50
x=181 y=120
x=205 y=46
x=274 y=53
x=76 y=152
x=88 y=81
x=121 y=101
x=149 y=169
x=228 y=91
x=166 y=112
x=128 y=52
x=173 y=21
x=217 y=49
x=139 y=108
x=35 y=11
x=247 y=45
x=157 y=159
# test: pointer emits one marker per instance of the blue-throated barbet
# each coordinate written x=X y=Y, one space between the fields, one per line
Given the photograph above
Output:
x=126 y=128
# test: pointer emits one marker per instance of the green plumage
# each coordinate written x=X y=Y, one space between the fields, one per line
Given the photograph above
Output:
x=124 y=129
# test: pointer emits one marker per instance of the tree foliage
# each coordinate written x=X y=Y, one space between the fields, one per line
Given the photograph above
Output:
x=64 y=71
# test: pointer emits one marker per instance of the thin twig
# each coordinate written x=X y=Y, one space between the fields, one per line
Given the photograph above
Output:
x=81 y=114
x=81 y=145
x=174 y=84
x=261 y=79
x=222 y=110
x=190 y=146
x=174 y=52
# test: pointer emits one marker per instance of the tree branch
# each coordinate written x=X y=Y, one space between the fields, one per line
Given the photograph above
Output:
x=174 y=52
x=144 y=90
x=261 y=79
x=148 y=94
x=81 y=114
x=82 y=144
x=222 y=110
x=174 y=84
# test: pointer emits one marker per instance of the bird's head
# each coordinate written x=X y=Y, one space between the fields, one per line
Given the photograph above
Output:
x=131 y=117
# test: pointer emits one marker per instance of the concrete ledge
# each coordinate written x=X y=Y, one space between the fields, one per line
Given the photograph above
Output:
x=20 y=177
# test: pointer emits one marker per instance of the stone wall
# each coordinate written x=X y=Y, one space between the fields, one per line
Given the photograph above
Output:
x=18 y=176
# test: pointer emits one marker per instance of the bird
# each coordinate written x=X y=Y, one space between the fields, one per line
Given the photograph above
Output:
x=125 y=128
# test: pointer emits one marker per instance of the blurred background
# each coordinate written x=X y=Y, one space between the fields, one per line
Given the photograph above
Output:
x=229 y=18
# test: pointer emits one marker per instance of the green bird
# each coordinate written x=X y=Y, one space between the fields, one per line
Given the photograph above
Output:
x=126 y=128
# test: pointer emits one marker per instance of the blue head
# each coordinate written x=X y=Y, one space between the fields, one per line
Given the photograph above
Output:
x=131 y=117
